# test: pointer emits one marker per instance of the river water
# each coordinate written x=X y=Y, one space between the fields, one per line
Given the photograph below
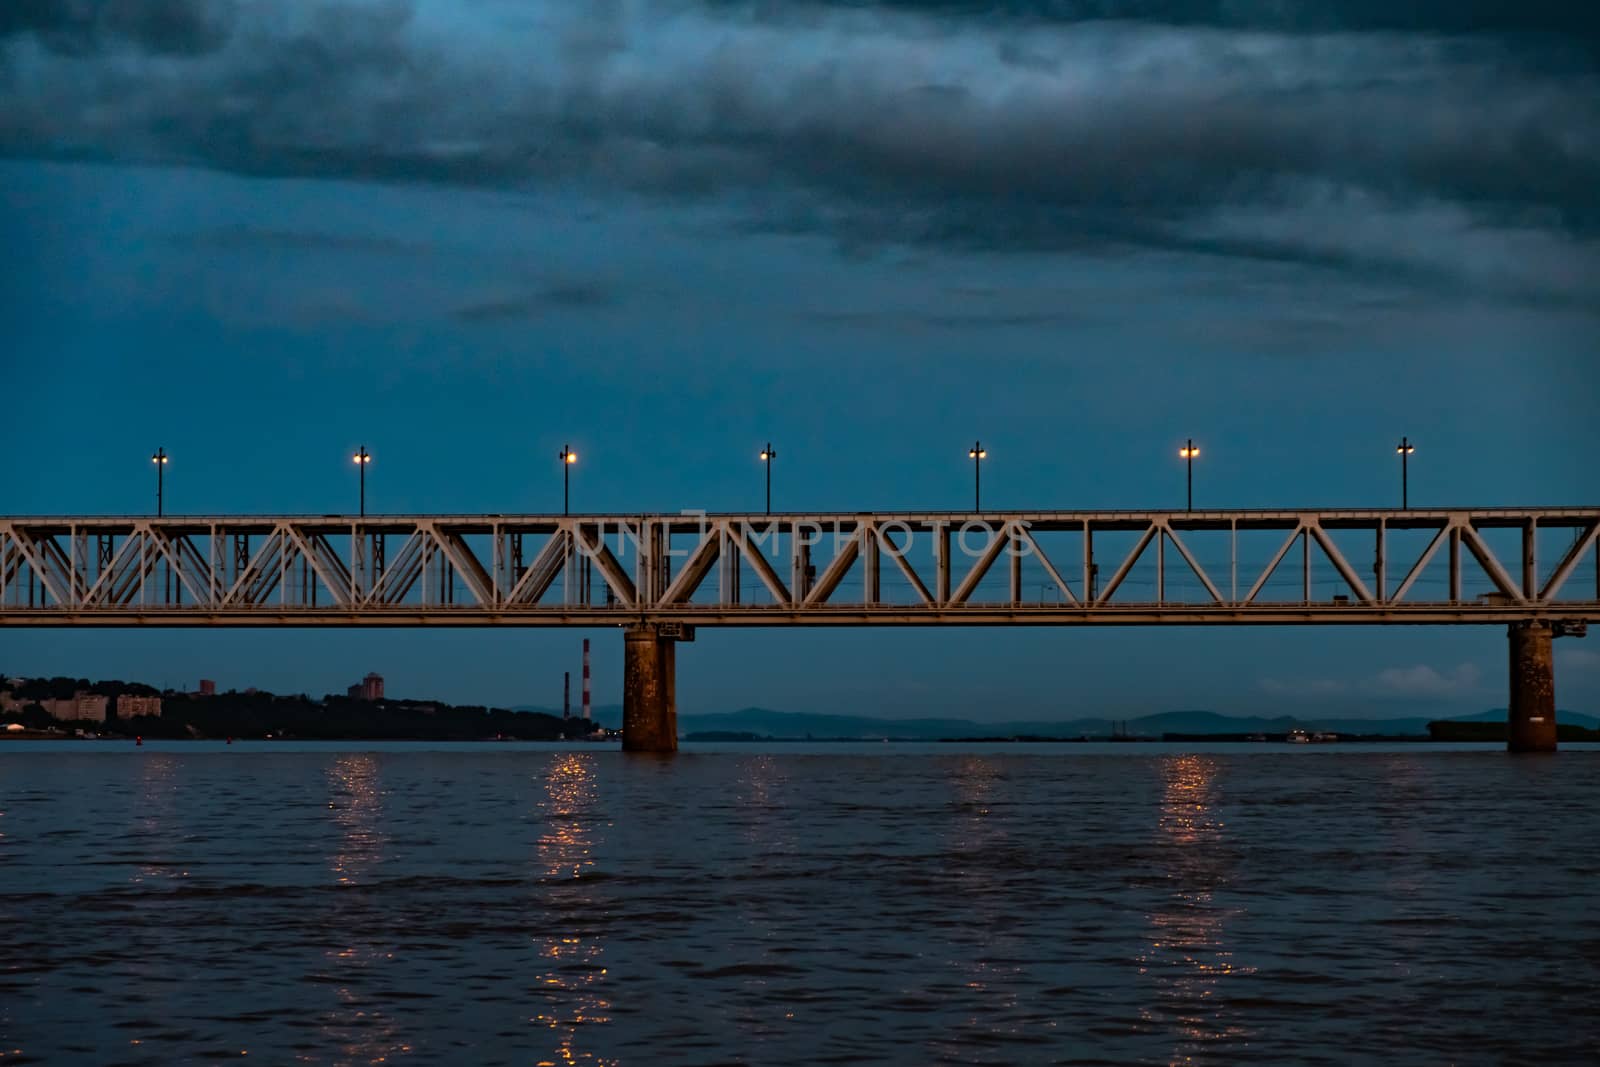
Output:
x=900 y=904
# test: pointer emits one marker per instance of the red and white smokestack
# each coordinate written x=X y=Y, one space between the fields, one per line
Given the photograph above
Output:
x=585 y=677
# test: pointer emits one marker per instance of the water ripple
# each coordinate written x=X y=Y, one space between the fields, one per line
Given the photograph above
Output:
x=565 y=906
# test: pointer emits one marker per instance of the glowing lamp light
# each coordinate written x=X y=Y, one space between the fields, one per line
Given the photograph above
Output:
x=1187 y=452
x=1404 y=450
x=362 y=458
x=767 y=456
x=159 y=458
x=977 y=453
x=567 y=457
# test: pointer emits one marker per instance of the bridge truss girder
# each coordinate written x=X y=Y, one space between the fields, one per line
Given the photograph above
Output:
x=800 y=569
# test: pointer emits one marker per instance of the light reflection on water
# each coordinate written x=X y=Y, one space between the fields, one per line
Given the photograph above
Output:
x=355 y=806
x=1188 y=958
x=978 y=837
x=521 y=906
x=571 y=990
x=158 y=785
x=359 y=1026
x=152 y=844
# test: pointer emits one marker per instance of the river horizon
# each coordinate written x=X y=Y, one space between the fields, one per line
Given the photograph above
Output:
x=777 y=745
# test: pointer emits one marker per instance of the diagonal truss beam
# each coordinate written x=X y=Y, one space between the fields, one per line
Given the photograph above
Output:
x=324 y=553
x=695 y=568
x=465 y=564
x=11 y=560
x=998 y=540
x=123 y=578
x=338 y=586
x=259 y=574
x=1266 y=575
x=1564 y=569
x=896 y=553
x=60 y=564
x=610 y=568
x=1183 y=550
x=171 y=551
x=1340 y=564
x=1422 y=562
x=48 y=577
x=1127 y=564
x=758 y=563
x=403 y=572
x=1491 y=565
x=1049 y=568
x=830 y=578
x=541 y=573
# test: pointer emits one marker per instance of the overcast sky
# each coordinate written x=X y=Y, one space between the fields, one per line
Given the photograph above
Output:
x=466 y=232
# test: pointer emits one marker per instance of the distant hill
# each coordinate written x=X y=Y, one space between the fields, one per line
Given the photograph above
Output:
x=779 y=724
x=765 y=722
x=607 y=715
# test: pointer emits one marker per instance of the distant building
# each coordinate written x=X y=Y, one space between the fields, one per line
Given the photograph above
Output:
x=90 y=707
x=369 y=688
x=129 y=705
x=9 y=701
x=208 y=688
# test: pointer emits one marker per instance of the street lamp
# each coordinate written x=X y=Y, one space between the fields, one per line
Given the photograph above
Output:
x=977 y=453
x=160 y=460
x=362 y=458
x=1188 y=452
x=1405 y=448
x=567 y=457
x=767 y=456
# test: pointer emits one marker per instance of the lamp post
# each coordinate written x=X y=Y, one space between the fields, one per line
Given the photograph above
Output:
x=1188 y=452
x=767 y=456
x=1405 y=448
x=160 y=460
x=977 y=453
x=362 y=458
x=567 y=457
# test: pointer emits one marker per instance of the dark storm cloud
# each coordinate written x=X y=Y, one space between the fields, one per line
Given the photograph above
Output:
x=255 y=239
x=900 y=322
x=1237 y=128
x=177 y=27
x=1562 y=17
x=560 y=295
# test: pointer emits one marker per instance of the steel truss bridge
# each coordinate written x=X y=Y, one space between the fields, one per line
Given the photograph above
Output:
x=1434 y=566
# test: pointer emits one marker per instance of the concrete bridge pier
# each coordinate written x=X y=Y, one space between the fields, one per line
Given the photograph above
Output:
x=649 y=690
x=1532 y=725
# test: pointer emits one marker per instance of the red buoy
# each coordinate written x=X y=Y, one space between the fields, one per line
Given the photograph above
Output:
x=138 y=740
